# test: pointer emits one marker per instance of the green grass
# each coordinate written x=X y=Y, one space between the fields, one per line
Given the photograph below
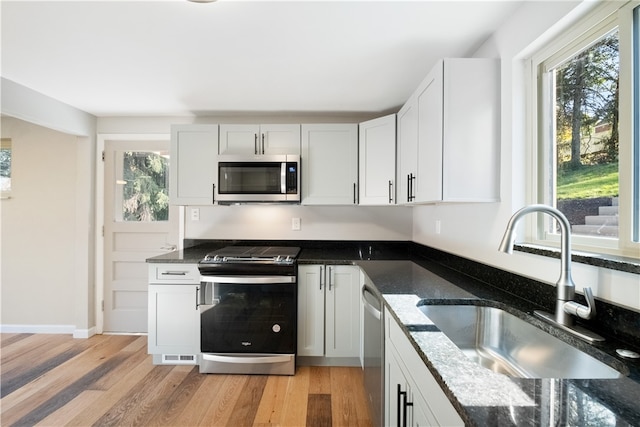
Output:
x=589 y=182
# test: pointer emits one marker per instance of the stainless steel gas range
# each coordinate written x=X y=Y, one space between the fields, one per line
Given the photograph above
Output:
x=248 y=310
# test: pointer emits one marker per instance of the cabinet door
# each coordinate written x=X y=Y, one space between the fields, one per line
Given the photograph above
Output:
x=429 y=183
x=259 y=139
x=342 y=328
x=471 y=138
x=377 y=161
x=239 y=139
x=407 y=162
x=430 y=403
x=329 y=164
x=311 y=310
x=193 y=174
x=174 y=319
x=280 y=139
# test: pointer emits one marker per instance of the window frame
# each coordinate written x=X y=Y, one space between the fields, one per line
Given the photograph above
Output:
x=604 y=17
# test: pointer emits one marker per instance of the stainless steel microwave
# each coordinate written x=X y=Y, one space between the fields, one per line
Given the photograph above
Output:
x=258 y=178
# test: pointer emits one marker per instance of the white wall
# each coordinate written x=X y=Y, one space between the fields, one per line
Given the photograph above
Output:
x=39 y=228
x=56 y=194
x=317 y=223
x=474 y=230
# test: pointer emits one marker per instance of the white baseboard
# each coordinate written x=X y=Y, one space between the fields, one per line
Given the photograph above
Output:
x=47 y=329
x=84 y=333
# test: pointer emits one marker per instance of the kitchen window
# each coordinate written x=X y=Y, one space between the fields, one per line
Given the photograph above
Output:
x=5 y=166
x=585 y=132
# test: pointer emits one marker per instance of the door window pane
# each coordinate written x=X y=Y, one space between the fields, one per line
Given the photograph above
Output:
x=586 y=138
x=142 y=188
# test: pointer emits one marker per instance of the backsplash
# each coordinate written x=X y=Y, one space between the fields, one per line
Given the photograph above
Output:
x=611 y=320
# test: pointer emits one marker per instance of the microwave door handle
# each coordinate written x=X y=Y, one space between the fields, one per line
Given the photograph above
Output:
x=283 y=178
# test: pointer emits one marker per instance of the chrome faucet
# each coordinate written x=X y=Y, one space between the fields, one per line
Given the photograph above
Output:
x=566 y=308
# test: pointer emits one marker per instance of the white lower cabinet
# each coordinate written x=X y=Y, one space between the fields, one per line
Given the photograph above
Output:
x=412 y=395
x=329 y=311
x=174 y=318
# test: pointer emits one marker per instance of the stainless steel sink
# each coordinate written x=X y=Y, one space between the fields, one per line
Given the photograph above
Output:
x=504 y=343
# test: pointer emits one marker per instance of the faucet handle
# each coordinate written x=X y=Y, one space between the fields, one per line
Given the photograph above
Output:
x=584 y=312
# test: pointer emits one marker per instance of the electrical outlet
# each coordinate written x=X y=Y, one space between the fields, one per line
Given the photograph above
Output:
x=295 y=224
x=195 y=214
x=438 y=226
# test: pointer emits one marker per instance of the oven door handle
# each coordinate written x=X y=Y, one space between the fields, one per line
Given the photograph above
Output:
x=242 y=359
x=250 y=280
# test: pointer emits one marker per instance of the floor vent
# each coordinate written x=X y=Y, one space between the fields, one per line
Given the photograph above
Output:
x=179 y=359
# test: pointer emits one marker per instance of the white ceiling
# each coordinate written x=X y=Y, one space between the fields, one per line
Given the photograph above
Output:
x=174 y=57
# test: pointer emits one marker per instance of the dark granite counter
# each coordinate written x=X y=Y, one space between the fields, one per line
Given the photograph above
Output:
x=404 y=273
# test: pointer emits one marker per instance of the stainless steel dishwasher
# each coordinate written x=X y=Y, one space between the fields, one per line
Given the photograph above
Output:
x=373 y=354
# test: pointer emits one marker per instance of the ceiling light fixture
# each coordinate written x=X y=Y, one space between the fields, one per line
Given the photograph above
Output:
x=202 y=1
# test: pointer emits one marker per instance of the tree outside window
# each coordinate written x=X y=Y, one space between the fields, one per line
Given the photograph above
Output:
x=586 y=138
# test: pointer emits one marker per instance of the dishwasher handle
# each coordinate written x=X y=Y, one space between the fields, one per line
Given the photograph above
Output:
x=375 y=312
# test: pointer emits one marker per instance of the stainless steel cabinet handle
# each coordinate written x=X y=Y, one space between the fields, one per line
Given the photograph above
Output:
x=197 y=295
x=255 y=143
x=390 y=191
x=321 y=276
x=213 y=196
x=355 y=193
x=174 y=273
x=330 y=273
x=367 y=305
x=263 y=143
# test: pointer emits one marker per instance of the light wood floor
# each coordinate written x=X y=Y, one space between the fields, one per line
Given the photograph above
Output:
x=55 y=380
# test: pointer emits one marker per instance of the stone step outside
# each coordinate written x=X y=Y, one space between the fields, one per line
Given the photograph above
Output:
x=595 y=230
x=608 y=210
x=614 y=201
x=601 y=220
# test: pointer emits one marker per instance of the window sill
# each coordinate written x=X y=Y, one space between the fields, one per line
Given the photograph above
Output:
x=612 y=262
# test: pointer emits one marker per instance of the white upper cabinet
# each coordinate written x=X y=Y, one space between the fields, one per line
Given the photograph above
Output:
x=407 y=160
x=194 y=152
x=260 y=139
x=451 y=125
x=329 y=164
x=377 y=154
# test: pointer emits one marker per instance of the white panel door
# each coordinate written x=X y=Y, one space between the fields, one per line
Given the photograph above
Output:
x=139 y=223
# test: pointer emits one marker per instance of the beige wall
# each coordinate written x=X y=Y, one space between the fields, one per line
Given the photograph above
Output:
x=38 y=258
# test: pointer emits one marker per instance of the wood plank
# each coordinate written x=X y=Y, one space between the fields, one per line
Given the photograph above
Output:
x=271 y=409
x=178 y=400
x=8 y=339
x=222 y=404
x=114 y=382
x=111 y=397
x=62 y=396
x=67 y=412
x=319 y=410
x=244 y=411
x=295 y=405
x=134 y=406
x=319 y=380
x=19 y=403
x=195 y=412
x=343 y=400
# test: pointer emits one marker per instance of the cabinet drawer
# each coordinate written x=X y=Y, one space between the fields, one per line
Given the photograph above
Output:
x=174 y=273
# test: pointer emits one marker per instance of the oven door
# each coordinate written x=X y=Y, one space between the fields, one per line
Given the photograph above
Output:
x=248 y=314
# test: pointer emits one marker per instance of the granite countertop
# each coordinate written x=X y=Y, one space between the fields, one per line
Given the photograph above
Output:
x=483 y=397
x=480 y=396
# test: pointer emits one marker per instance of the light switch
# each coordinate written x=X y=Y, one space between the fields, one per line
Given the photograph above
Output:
x=195 y=214
x=295 y=224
